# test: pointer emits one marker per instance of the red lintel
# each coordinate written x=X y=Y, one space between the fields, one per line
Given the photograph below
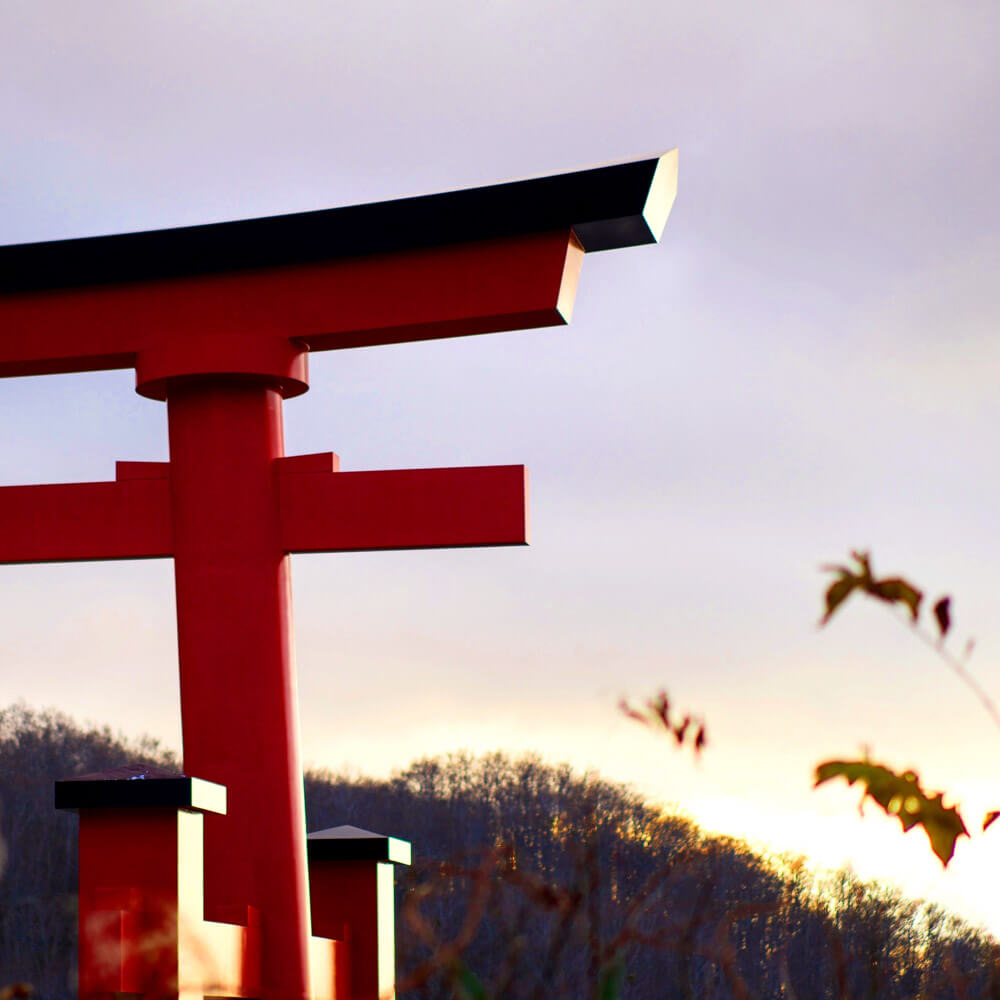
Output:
x=405 y=509
x=484 y=287
x=79 y=521
x=322 y=510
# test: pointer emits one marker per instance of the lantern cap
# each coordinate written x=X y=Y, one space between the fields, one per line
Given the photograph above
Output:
x=351 y=843
x=140 y=786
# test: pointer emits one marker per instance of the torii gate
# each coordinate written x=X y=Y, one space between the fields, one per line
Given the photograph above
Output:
x=218 y=321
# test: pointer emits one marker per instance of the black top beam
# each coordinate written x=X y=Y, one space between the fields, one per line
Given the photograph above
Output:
x=139 y=786
x=350 y=843
x=625 y=204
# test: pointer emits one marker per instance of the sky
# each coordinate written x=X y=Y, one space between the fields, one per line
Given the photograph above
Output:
x=805 y=365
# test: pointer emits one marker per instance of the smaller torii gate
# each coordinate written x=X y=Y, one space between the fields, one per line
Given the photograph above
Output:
x=218 y=321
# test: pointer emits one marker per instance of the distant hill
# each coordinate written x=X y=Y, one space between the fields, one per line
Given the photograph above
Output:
x=529 y=881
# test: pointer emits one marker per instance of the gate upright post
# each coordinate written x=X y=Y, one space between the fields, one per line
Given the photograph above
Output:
x=237 y=676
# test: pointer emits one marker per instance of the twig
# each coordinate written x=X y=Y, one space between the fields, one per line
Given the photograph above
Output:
x=953 y=663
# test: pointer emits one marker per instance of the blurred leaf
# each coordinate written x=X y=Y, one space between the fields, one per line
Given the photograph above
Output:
x=17 y=991
x=838 y=592
x=469 y=986
x=656 y=713
x=660 y=707
x=680 y=730
x=990 y=819
x=626 y=709
x=609 y=986
x=900 y=795
x=942 y=615
x=897 y=591
x=893 y=590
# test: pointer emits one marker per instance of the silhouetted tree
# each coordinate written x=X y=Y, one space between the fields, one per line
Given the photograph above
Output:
x=547 y=882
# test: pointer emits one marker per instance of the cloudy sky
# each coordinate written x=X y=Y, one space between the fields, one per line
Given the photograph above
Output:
x=806 y=364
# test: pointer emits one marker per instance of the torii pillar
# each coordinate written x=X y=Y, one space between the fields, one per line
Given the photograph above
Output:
x=218 y=321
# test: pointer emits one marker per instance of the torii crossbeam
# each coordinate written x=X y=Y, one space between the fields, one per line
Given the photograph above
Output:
x=218 y=321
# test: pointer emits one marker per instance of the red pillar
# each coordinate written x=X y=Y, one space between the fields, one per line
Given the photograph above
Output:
x=141 y=898
x=237 y=676
x=132 y=900
x=351 y=888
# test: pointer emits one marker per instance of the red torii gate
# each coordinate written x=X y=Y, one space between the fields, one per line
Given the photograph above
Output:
x=218 y=321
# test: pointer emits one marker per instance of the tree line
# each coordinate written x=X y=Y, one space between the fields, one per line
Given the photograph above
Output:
x=529 y=881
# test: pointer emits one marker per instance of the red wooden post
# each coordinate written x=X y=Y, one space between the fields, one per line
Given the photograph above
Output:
x=234 y=621
x=141 y=894
x=350 y=885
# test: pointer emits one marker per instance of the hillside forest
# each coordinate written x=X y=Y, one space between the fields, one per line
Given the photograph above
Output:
x=529 y=881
